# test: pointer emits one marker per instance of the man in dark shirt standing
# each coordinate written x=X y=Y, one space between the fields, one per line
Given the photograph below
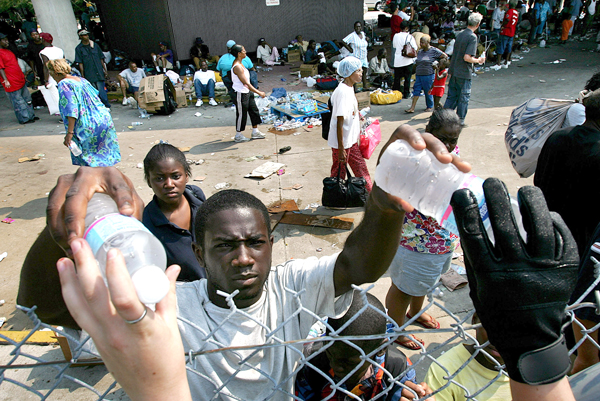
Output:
x=35 y=46
x=461 y=68
x=568 y=172
x=90 y=61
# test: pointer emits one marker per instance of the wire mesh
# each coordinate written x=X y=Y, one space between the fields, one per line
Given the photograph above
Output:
x=60 y=373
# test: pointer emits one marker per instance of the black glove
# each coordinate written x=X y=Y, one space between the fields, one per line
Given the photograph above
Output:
x=520 y=290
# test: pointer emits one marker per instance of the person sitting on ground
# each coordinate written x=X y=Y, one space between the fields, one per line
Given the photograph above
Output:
x=300 y=43
x=163 y=61
x=210 y=59
x=379 y=70
x=196 y=52
x=234 y=244
x=338 y=360
x=314 y=56
x=204 y=83
x=130 y=79
x=171 y=214
x=474 y=376
x=266 y=53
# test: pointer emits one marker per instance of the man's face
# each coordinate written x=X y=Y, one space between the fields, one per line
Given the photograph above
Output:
x=133 y=67
x=84 y=38
x=162 y=48
x=236 y=254
x=204 y=66
x=35 y=36
x=4 y=43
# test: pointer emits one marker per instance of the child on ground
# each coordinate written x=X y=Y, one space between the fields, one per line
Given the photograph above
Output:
x=425 y=250
x=340 y=359
x=439 y=83
x=476 y=375
x=171 y=213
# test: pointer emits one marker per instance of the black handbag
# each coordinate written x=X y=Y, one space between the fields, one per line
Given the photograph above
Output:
x=338 y=192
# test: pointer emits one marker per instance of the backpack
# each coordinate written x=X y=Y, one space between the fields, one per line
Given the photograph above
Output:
x=326 y=120
x=327 y=83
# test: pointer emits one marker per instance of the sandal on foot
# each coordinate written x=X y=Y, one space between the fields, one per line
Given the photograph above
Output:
x=406 y=341
x=429 y=324
x=429 y=109
x=409 y=111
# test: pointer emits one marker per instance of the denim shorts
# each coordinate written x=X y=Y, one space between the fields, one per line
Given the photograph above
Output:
x=504 y=45
x=414 y=273
x=133 y=89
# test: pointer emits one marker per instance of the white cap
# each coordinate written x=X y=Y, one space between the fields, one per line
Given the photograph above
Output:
x=151 y=284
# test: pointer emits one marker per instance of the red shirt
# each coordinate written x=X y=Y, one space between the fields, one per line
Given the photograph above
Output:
x=395 y=24
x=510 y=20
x=8 y=62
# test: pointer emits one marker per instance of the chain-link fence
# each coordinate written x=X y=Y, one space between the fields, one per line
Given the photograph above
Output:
x=25 y=374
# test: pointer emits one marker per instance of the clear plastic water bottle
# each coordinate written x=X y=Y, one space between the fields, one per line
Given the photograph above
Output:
x=427 y=184
x=137 y=123
x=144 y=255
x=75 y=149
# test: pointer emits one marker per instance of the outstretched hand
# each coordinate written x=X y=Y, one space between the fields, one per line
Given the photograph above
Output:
x=418 y=141
x=147 y=357
x=67 y=203
x=520 y=290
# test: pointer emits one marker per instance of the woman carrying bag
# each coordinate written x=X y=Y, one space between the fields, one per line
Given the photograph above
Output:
x=344 y=128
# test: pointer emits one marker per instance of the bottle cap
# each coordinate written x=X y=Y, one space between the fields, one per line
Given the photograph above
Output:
x=151 y=284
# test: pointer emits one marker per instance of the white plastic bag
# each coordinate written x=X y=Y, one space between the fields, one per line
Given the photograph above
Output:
x=50 y=97
x=530 y=125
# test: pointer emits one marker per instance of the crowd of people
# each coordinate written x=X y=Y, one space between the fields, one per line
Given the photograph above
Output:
x=222 y=245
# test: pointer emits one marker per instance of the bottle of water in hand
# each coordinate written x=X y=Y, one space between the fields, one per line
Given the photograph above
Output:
x=144 y=254
x=427 y=184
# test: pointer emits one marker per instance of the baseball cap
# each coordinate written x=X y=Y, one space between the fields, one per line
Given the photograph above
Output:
x=83 y=32
x=230 y=43
x=2 y=36
x=47 y=37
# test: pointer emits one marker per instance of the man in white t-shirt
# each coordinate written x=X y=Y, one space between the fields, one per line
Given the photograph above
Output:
x=204 y=82
x=245 y=305
x=130 y=79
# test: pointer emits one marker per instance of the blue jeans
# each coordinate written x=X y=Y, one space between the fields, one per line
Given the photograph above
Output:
x=205 y=90
x=424 y=82
x=101 y=93
x=459 y=93
x=21 y=102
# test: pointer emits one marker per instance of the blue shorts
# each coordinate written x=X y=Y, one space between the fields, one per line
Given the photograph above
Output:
x=133 y=89
x=504 y=45
x=414 y=273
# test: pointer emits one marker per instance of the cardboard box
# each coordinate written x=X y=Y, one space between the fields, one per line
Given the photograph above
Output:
x=308 y=70
x=152 y=95
x=364 y=99
x=294 y=56
x=180 y=97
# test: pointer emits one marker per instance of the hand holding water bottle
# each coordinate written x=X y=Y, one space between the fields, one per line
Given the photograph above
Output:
x=418 y=142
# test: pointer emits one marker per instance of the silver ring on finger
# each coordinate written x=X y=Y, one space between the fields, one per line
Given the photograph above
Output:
x=139 y=319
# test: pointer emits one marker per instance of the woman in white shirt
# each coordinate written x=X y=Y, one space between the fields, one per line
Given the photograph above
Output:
x=344 y=129
x=403 y=66
x=243 y=99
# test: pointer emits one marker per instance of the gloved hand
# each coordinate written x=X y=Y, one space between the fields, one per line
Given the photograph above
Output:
x=520 y=290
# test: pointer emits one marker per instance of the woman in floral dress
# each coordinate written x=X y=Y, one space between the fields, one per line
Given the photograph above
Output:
x=425 y=250
x=87 y=122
